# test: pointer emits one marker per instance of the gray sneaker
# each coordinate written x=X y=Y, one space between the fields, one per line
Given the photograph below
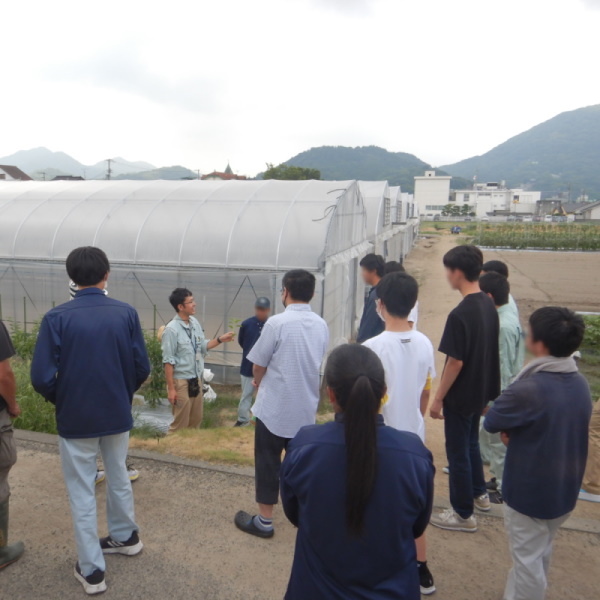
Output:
x=452 y=521
x=482 y=503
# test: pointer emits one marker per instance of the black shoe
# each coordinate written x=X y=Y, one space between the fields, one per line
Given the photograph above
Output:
x=426 y=579
x=131 y=547
x=496 y=498
x=245 y=522
x=492 y=485
x=242 y=423
x=92 y=584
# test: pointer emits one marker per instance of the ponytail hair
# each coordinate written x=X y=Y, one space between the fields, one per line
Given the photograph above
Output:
x=356 y=376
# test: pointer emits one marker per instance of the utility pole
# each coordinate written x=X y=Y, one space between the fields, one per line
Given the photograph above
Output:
x=43 y=175
x=198 y=171
x=108 y=169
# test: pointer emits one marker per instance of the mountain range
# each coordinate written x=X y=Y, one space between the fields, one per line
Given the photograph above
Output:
x=41 y=163
x=561 y=155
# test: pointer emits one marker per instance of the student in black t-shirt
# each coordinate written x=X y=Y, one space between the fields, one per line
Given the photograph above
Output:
x=470 y=380
x=9 y=409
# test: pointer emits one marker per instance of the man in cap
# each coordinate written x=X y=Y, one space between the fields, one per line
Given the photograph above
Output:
x=248 y=335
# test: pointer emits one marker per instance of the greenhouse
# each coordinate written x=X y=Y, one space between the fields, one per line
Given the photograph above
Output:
x=228 y=241
x=391 y=225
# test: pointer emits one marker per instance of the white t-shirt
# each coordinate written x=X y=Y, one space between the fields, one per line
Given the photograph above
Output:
x=408 y=359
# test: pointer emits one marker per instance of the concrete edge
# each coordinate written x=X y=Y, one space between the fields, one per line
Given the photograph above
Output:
x=23 y=436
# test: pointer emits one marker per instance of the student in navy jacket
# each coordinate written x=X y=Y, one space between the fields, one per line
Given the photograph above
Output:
x=543 y=418
x=359 y=492
x=89 y=360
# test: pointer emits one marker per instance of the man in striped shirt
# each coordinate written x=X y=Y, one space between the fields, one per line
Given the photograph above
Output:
x=287 y=361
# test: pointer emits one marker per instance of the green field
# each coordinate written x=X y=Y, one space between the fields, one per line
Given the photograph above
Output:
x=539 y=236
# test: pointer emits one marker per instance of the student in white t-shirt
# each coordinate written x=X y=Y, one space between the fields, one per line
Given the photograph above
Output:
x=408 y=359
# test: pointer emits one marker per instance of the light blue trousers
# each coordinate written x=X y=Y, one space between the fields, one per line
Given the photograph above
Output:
x=246 y=399
x=78 y=457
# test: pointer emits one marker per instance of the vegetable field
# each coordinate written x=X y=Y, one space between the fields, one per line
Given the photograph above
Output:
x=539 y=236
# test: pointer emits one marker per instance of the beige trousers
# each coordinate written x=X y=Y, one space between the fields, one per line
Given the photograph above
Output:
x=187 y=412
x=591 y=479
x=8 y=453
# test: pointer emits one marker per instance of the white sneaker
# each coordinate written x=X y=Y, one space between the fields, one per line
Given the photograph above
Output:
x=450 y=520
x=482 y=503
x=133 y=473
x=100 y=476
x=446 y=470
x=583 y=495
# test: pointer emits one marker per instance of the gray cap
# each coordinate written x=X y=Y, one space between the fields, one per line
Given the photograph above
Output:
x=262 y=302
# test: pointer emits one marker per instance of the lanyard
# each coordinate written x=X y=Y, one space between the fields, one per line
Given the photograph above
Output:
x=190 y=334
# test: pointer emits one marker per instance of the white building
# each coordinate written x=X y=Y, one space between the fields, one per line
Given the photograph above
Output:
x=495 y=199
x=432 y=193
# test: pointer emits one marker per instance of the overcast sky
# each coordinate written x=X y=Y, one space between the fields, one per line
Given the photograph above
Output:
x=199 y=83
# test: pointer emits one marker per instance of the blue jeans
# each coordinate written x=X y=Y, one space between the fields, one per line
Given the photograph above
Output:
x=467 y=480
x=246 y=399
x=78 y=458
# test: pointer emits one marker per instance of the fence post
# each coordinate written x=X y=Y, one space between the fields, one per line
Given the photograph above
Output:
x=24 y=314
x=154 y=328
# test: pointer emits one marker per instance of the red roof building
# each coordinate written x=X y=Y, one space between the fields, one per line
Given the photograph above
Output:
x=12 y=173
x=226 y=175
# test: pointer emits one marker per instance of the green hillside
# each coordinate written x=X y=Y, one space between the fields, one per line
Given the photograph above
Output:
x=369 y=163
x=560 y=155
x=171 y=173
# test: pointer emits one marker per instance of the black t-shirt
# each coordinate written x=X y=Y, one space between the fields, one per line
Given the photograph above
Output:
x=471 y=335
x=7 y=350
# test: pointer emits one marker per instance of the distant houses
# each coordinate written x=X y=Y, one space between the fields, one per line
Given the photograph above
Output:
x=226 y=175
x=12 y=173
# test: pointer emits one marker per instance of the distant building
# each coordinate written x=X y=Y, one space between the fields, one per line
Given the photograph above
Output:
x=432 y=193
x=11 y=173
x=495 y=199
x=548 y=206
x=68 y=178
x=226 y=175
x=590 y=211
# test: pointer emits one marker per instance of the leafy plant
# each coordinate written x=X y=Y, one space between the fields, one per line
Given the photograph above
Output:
x=24 y=341
x=156 y=386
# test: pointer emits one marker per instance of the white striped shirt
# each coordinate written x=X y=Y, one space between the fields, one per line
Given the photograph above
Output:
x=292 y=346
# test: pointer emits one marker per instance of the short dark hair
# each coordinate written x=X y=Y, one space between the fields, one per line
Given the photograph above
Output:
x=393 y=266
x=374 y=262
x=496 y=266
x=398 y=292
x=300 y=284
x=467 y=259
x=178 y=296
x=87 y=266
x=497 y=285
x=559 y=329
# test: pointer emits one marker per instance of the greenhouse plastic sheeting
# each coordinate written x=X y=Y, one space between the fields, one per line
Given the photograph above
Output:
x=241 y=224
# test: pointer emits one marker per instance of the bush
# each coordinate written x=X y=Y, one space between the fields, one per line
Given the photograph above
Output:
x=36 y=413
x=592 y=332
x=24 y=341
x=155 y=387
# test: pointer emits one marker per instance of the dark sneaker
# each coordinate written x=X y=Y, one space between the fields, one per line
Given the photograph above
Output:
x=496 y=498
x=492 y=485
x=92 y=584
x=245 y=522
x=426 y=579
x=131 y=547
x=242 y=423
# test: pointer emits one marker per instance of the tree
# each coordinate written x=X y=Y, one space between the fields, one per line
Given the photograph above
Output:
x=451 y=210
x=290 y=172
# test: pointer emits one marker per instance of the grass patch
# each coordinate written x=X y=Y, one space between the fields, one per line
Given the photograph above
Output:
x=589 y=364
x=219 y=445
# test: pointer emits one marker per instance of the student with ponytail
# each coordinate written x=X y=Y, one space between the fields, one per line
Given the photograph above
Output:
x=358 y=491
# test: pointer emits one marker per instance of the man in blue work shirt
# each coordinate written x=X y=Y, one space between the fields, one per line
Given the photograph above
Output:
x=249 y=333
x=89 y=360
x=371 y=324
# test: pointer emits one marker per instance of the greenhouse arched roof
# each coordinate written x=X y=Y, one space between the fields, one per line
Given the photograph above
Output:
x=236 y=224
